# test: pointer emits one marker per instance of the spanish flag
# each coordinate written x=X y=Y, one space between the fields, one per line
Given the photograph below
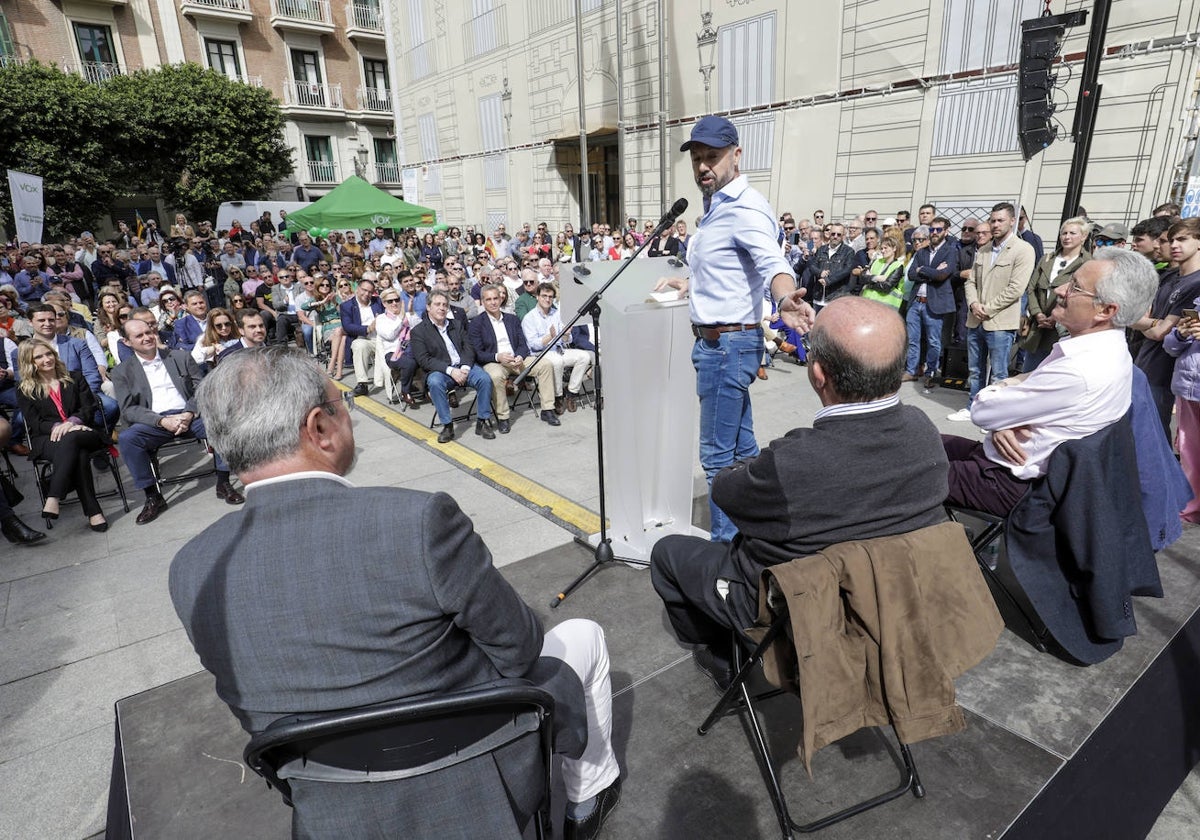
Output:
x=141 y=225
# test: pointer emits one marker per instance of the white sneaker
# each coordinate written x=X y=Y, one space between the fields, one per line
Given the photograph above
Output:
x=963 y=415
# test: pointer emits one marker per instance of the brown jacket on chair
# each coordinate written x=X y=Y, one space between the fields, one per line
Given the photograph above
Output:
x=878 y=630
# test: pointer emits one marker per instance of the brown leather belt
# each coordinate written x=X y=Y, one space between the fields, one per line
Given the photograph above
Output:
x=711 y=332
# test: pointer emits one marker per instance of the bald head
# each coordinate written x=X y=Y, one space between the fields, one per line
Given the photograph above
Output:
x=857 y=349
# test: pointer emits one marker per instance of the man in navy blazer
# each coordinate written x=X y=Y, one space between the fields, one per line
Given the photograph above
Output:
x=492 y=328
x=440 y=347
x=931 y=299
x=154 y=262
x=189 y=327
x=414 y=607
x=358 y=323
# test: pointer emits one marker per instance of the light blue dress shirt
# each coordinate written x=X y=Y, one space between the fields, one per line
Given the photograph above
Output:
x=733 y=256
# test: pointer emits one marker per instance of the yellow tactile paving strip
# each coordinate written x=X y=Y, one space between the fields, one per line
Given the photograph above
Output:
x=554 y=507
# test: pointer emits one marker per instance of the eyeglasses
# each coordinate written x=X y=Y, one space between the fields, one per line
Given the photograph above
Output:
x=169 y=299
x=871 y=219
x=1073 y=288
x=1104 y=243
x=968 y=230
x=346 y=398
x=239 y=300
x=343 y=286
x=219 y=324
x=391 y=300
x=122 y=316
x=936 y=229
x=920 y=239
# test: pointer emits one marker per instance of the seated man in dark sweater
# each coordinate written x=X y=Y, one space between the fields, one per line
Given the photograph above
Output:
x=869 y=467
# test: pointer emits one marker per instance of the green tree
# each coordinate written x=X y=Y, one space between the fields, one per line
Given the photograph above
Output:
x=198 y=139
x=58 y=126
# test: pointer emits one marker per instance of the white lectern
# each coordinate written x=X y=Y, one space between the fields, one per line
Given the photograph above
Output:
x=649 y=391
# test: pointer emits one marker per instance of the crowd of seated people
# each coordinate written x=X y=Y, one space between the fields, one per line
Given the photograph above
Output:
x=354 y=299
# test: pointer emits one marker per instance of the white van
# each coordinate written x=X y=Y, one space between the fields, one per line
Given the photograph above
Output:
x=249 y=211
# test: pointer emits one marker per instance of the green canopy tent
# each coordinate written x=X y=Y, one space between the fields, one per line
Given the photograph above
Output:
x=356 y=204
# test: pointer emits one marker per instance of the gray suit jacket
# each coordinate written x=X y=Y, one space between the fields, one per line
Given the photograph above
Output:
x=133 y=388
x=390 y=594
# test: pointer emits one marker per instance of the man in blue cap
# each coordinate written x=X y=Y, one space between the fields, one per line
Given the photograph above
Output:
x=735 y=257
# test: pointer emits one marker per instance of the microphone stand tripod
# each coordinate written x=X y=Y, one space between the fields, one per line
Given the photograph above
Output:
x=602 y=552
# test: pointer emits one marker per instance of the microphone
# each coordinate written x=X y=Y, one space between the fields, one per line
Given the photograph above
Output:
x=581 y=270
x=670 y=216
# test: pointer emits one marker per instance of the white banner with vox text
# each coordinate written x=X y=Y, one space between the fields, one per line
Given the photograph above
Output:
x=28 y=206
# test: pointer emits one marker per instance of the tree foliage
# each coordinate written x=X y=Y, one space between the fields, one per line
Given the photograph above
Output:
x=188 y=134
x=56 y=125
x=199 y=139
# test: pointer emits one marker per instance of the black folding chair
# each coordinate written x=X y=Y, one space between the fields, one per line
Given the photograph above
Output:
x=177 y=444
x=43 y=469
x=738 y=698
x=405 y=739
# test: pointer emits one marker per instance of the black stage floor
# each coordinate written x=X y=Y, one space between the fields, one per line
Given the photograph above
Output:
x=1051 y=749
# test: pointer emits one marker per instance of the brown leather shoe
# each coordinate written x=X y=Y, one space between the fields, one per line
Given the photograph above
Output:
x=908 y=377
x=762 y=372
x=571 y=402
x=559 y=405
x=155 y=505
x=231 y=496
x=787 y=347
x=19 y=449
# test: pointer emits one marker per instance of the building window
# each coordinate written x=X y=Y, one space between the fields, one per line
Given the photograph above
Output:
x=306 y=73
x=491 y=122
x=427 y=132
x=375 y=74
x=223 y=57
x=387 y=168
x=96 y=54
x=485 y=29
x=746 y=63
x=756 y=136
x=319 y=152
x=416 y=22
x=7 y=51
x=495 y=172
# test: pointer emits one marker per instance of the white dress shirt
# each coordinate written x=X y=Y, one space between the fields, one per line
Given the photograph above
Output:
x=1083 y=386
x=164 y=396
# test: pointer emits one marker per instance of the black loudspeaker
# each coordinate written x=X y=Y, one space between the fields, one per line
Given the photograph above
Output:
x=1041 y=41
x=954 y=367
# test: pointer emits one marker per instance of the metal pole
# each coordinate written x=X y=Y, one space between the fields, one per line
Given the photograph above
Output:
x=662 y=108
x=1085 y=108
x=621 y=215
x=585 y=199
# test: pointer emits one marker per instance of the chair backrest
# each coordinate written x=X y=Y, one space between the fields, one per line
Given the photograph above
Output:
x=403 y=739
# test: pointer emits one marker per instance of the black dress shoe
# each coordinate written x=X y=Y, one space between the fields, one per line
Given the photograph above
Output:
x=931 y=382
x=551 y=418
x=504 y=426
x=715 y=665
x=484 y=429
x=231 y=496
x=155 y=505
x=99 y=527
x=589 y=827
x=49 y=515
x=16 y=531
x=362 y=389
x=446 y=434
x=453 y=398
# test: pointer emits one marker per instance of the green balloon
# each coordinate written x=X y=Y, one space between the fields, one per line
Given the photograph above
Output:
x=314 y=232
x=324 y=231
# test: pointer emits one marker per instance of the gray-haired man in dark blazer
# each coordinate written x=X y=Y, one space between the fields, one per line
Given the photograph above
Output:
x=393 y=596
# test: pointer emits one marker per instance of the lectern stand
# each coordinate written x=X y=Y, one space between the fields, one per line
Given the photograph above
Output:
x=649 y=402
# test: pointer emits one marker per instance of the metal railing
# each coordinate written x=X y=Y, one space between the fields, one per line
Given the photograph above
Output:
x=227 y=5
x=421 y=61
x=95 y=71
x=314 y=11
x=322 y=172
x=300 y=94
x=387 y=172
x=375 y=99
x=364 y=16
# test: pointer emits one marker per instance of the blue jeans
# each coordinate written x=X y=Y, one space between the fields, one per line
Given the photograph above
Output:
x=990 y=347
x=438 y=384
x=724 y=370
x=920 y=318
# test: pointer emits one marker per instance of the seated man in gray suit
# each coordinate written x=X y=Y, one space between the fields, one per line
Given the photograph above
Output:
x=393 y=596
x=155 y=389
